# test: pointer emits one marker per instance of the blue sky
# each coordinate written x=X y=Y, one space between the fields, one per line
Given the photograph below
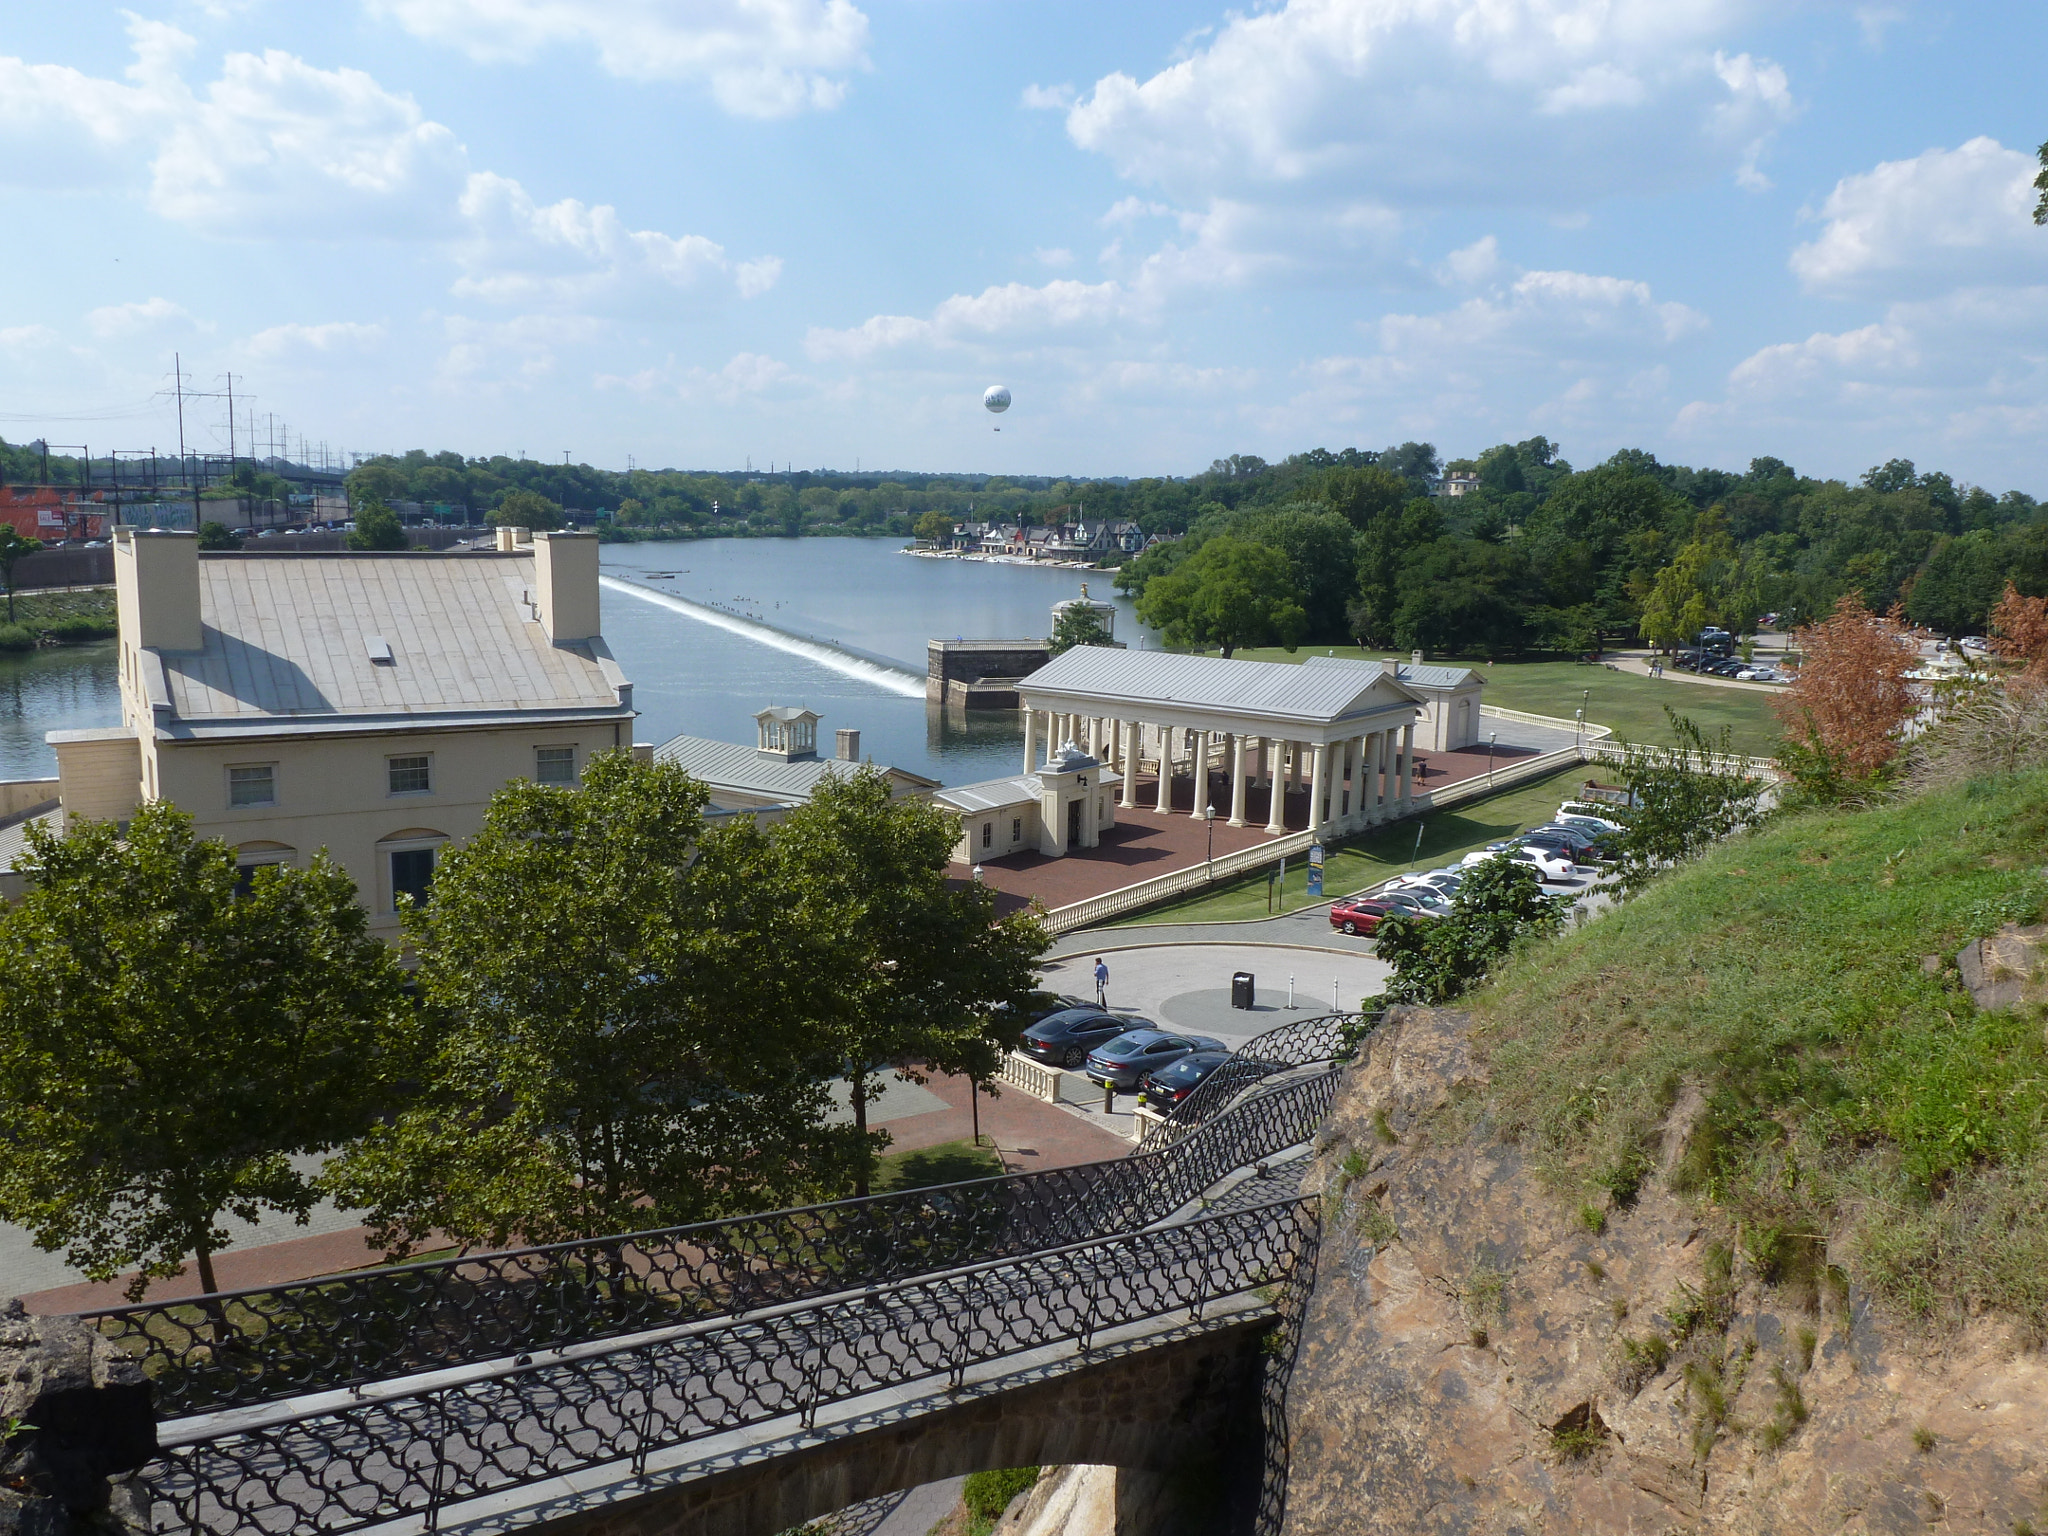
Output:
x=706 y=231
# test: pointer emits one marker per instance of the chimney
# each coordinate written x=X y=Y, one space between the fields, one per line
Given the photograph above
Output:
x=849 y=745
x=508 y=539
x=156 y=588
x=1415 y=658
x=565 y=585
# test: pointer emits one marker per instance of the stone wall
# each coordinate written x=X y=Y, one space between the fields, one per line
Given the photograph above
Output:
x=1475 y=1358
x=952 y=667
x=77 y=1418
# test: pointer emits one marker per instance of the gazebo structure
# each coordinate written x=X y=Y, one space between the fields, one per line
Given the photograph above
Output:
x=1350 y=731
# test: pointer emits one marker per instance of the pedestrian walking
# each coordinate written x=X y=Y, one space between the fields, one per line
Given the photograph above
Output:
x=1101 y=983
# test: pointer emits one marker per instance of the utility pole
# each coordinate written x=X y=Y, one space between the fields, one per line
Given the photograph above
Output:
x=231 y=426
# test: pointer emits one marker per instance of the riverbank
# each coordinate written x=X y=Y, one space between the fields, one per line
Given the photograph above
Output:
x=69 y=617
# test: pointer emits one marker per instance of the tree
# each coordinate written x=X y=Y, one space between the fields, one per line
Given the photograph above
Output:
x=1846 y=712
x=173 y=1033
x=1686 y=797
x=934 y=527
x=1435 y=960
x=1228 y=593
x=615 y=1031
x=2041 y=186
x=379 y=480
x=920 y=966
x=527 y=509
x=13 y=545
x=2019 y=633
x=1078 y=626
x=218 y=536
x=1691 y=592
x=376 y=527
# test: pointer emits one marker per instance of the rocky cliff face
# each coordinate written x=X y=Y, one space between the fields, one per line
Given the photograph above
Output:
x=1478 y=1357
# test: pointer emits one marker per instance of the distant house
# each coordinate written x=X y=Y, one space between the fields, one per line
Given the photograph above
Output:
x=1067 y=804
x=782 y=768
x=1459 y=482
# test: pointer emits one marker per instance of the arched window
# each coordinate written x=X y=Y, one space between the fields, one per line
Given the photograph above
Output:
x=405 y=866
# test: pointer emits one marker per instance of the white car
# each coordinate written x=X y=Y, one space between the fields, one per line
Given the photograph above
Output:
x=1551 y=868
x=1598 y=825
x=1444 y=882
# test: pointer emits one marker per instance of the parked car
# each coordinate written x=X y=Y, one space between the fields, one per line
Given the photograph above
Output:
x=1592 y=848
x=1599 y=825
x=1122 y=1061
x=1444 y=882
x=1550 y=867
x=1064 y=1039
x=1362 y=914
x=1165 y=1087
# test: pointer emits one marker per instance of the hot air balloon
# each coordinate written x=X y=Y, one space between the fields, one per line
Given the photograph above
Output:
x=996 y=398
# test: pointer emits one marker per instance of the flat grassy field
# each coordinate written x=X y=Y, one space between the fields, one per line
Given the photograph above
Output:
x=1632 y=705
x=950 y=1162
x=1802 y=979
x=1367 y=860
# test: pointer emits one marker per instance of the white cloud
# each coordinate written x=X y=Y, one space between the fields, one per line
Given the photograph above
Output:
x=761 y=58
x=1549 y=350
x=111 y=322
x=1474 y=264
x=273 y=144
x=1008 y=312
x=1048 y=98
x=573 y=255
x=1056 y=257
x=1427 y=103
x=489 y=354
x=329 y=337
x=1914 y=227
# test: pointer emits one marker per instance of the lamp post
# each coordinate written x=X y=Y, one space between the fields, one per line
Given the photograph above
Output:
x=1491 y=738
x=977 y=874
x=1209 y=815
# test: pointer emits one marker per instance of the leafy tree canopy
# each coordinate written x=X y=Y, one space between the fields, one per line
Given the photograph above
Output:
x=1229 y=593
x=376 y=527
x=174 y=1033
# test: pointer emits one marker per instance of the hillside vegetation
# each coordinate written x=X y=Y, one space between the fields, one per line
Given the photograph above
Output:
x=1858 y=1110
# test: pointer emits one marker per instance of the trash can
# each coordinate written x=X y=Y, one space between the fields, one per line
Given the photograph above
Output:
x=1241 y=989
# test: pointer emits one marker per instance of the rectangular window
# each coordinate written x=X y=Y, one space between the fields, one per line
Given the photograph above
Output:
x=554 y=765
x=988 y=834
x=1016 y=829
x=411 y=775
x=412 y=872
x=254 y=785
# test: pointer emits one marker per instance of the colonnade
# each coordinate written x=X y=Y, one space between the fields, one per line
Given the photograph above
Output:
x=1354 y=782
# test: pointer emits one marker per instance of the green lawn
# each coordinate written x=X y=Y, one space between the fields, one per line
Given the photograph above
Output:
x=1371 y=858
x=1632 y=705
x=950 y=1162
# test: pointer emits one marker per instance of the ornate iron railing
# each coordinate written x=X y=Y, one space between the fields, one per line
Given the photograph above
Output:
x=254 y=1346
x=1287 y=1048
x=356 y=1463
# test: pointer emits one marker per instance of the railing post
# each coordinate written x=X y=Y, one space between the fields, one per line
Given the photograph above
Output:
x=646 y=1415
x=440 y=1458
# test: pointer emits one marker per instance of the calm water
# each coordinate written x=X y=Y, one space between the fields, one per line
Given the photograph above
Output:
x=692 y=676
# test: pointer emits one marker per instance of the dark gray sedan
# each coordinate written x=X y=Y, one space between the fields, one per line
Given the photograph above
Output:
x=1123 y=1061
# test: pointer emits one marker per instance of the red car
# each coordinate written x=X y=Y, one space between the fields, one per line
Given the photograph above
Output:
x=1362 y=914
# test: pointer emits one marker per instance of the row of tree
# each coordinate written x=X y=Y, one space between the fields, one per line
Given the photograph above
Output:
x=619 y=1016
x=1536 y=555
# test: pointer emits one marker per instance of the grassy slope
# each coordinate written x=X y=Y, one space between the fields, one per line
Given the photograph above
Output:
x=1633 y=705
x=37 y=611
x=1852 y=1093
x=1367 y=860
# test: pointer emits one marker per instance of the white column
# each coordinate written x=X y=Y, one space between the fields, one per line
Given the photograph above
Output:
x=1362 y=807
x=1095 y=737
x=1319 y=788
x=1237 y=786
x=1276 y=801
x=1388 y=742
x=1165 y=802
x=1369 y=778
x=1030 y=732
x=1201 y=767
x=1407 y=766
x=1127 y=762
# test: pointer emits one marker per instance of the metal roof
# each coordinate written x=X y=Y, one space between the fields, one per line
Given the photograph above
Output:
x=298 y=639
x=992 y=794
x=727 y=765
x=1127 y=681
x=1423 y=675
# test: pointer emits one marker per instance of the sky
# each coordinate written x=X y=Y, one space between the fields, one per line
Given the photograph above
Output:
x=708 y=233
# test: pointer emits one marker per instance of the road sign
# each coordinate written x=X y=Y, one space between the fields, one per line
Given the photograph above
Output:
x=1315 y=869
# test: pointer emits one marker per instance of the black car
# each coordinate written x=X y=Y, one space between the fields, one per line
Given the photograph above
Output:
x=1064 y=1039
x=1583 y=846
x=1167 y=1086
x=1044 y=1005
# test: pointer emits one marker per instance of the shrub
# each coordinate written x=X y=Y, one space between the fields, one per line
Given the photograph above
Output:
x=17 y=637
x=82 y=627
x=988 y=1494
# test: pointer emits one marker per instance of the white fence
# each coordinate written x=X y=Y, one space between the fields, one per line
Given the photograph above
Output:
x=1590 y=731
x=1027 y=1076
x=1756 y=767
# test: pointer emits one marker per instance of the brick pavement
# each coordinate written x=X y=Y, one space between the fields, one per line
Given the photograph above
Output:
x=1028 y=1133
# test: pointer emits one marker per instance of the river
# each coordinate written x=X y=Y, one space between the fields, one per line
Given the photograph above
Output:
x=711 y=631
